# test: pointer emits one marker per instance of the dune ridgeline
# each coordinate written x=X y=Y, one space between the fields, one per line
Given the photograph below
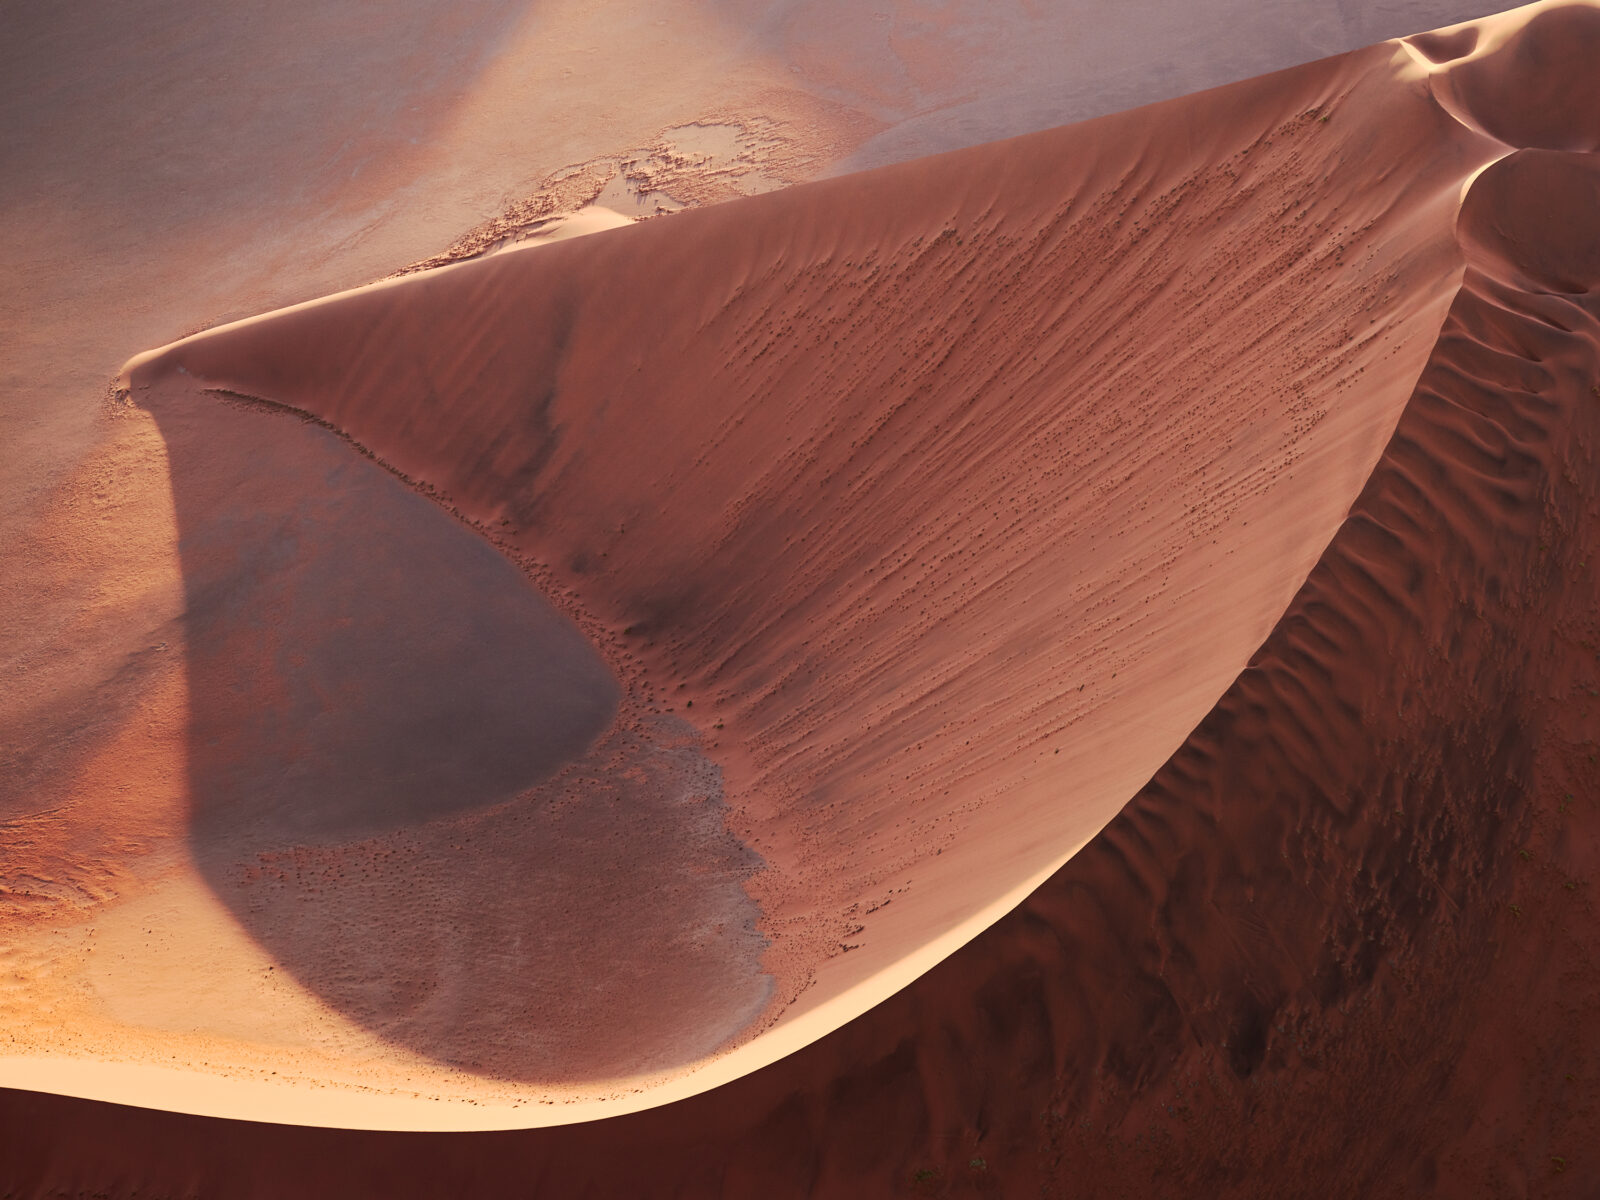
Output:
x=1070 y=662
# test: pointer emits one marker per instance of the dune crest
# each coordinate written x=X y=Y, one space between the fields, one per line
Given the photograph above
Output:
x=863 y=497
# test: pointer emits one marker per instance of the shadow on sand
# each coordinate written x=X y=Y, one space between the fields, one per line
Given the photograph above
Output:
x=409 y=782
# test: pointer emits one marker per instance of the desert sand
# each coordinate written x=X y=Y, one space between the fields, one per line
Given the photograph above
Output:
x=848 y=556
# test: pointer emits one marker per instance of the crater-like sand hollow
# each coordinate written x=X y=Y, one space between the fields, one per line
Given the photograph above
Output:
x=614 y=664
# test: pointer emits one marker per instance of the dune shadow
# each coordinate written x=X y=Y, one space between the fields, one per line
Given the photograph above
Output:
x=408 y=779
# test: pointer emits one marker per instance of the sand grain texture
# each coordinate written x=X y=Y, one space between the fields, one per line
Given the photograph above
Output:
x=1275 y=435
x=877 y=500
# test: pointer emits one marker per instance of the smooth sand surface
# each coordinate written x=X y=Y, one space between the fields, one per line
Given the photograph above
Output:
x=169 y=167
x=860 y=508
x=880 y=532
x=1349 y=915
x=940 y=505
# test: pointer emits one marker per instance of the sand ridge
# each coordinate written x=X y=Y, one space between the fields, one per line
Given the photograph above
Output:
x=905 y=779
x=1366 y=747
x=1320 y=904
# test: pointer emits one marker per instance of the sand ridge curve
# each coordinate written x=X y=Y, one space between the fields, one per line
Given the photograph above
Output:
x=1492 y=176
x=1319 y=904
x=838 y=467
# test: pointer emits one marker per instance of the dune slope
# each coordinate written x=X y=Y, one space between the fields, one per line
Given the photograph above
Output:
x=943 y=501
x=1351 y=916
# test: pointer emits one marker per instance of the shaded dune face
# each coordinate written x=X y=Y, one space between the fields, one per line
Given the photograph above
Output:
x=1350 y=916
x=339 y=682
x=1299 y=933
x=953 y=495
x=388 y=727
x=1554 y=247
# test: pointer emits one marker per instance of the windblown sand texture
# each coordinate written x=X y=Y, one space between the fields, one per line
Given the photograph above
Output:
x=849 y=555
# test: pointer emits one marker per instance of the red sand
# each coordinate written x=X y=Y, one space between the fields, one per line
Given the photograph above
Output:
x=944 y=500
x=1341 y=944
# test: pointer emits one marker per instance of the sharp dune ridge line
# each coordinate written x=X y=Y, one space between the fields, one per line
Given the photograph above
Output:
x=955 y=496
x=867 y=497
x=938 y=509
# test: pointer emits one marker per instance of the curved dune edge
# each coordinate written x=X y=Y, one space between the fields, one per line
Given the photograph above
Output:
x=810 y=1025
x=1350 y=916
x=200 y=1094
x=807 y=1026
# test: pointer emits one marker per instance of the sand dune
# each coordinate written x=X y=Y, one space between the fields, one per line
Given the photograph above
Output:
x=170 y=167
x=1250 y=434
x=857 y=514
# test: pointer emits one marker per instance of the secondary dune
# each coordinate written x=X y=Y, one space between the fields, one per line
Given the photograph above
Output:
x=1088 y=425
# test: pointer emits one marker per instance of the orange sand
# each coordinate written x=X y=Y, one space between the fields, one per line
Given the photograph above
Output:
x=858 y=510
x=881 y=569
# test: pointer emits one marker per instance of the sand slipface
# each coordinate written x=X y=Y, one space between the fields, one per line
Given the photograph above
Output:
x=941 y=503
x=1383 y=826
x=388 y=725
